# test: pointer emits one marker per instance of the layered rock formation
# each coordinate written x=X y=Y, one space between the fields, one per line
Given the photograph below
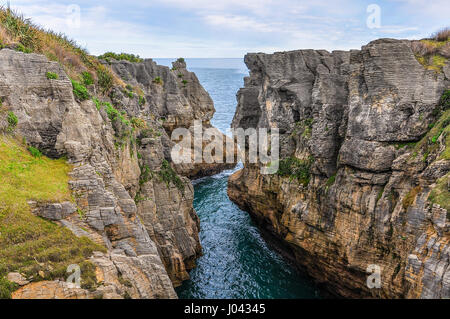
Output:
x=127 y=194
x=357 y=124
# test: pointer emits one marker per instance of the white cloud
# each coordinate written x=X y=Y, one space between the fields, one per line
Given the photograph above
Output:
x=230 y=28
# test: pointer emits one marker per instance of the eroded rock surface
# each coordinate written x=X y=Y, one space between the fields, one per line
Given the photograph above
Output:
x=127 y=193
x=351 y=114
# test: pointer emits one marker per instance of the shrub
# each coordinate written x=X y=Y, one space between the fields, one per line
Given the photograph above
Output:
x=80 y=91
x=6 y=288
x=114 y=114
x=28 y=37
x=423 y=47
x=146 y=175
x=168 y=175
x=21 y=48
x=141 y=100
x=105 y=79
x=158 y=80
x=331 y=180
x=97 y=102
x=440 y=193
x=181 y=60
x=34 y=152
x=184 y=82
x=445 y=100
x=296 y=168
x=442 y=35
x=138 y=122
x=120 y=57
x=408 y=200
x=433 y=53
x=52 y=76
x=12 y=120
x=87 y=78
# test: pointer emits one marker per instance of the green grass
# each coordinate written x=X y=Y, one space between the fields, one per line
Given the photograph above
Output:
x=52 y=76
x=29 y=244
x=445 y=100
x=80 y=91
x=440 y=194
x=331 y=180
x=158 y=80
x=428 y=144
x=427 y=53
x=141 y=100
x=105 y=79
x=295 y=168
x=87 y=78
x=168 y=175
x=12 y=120
x=21 y=48
x=115 y=115
x=97 y=103
x=34 y=152
x=6 y=287
x=410 y=197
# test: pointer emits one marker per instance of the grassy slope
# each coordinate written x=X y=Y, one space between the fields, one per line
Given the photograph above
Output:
x=30 y=244
x=432 y=53
x=21 y=33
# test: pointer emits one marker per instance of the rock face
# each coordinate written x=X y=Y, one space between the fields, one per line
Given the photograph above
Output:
x=366 y=202
x=128 y=197
x=176 y=97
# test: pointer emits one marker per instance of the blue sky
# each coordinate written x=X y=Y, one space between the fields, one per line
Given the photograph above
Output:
x=231 y=28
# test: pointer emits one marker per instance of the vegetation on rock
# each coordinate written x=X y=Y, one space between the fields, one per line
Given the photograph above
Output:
x=52 y=76
x=168 y=175
x=121 y=57
x=25 y=36
x=440 y=194
x=80 y=91
x=30 y=244
x=295 y=168
x=433 y=53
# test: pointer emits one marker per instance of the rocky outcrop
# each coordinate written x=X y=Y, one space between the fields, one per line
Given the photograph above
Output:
x=127 y=194
x=362 y=120
x=175 y=97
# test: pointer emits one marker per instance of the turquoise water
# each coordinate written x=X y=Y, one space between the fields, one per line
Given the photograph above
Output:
x=237 y=262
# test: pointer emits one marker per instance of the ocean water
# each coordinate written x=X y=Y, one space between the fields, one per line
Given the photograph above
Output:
x=237 y=262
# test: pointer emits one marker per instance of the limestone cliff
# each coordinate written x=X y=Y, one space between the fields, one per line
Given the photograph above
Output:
x=364 y=166
x=127 y=194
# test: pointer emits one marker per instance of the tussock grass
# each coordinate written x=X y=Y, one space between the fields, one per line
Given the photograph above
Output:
x=29 y=244
x=295 y=168
x=440 y=194
x=433 y=53
x=21 y=33
x=442 y=35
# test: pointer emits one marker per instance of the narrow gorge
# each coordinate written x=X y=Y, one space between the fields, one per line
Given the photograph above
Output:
x=93 y=204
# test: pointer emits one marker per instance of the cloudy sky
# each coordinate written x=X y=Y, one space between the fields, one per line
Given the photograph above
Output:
x=231 y=28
